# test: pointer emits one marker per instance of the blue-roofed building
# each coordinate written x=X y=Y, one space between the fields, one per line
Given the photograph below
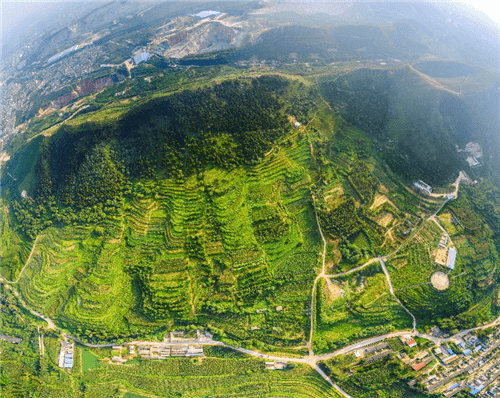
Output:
x=452 y=255
x=462 y=346
x=140 y=58
x=68 y=360
x=467 y=352
x=450 y=351
x=477 y=390
x=453 y=386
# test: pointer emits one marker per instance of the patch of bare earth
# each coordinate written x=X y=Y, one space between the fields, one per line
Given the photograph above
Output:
x=440 y=280
x=334 y=256
x=379 y=201
x=332 y=291
x=398 y=264
x=384 y=219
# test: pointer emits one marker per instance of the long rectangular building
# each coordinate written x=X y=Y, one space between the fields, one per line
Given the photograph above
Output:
x=452 y=255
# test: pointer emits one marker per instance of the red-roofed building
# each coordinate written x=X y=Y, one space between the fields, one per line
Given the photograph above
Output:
x=411 y=343
x=450 y=359
x=418 y=366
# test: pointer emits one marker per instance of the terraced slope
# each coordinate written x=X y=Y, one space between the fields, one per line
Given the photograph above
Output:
x=197 y=208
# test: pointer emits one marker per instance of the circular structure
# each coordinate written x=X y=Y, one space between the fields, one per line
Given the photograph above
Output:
x=440 y=280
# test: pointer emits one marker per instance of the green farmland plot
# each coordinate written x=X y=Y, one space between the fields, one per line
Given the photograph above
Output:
x=129 y=394
x=357 y=307
x=89 y=360
x=212 y=377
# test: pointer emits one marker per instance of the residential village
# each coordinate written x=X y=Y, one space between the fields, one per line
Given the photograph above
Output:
x=175 y=344
x=441 y=364
x=467 y=363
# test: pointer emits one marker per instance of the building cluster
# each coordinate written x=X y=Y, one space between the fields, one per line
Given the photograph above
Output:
x=465 y=364
x=165 y=350
x=60 y=73
x=175 y=344
x=258 y=63
x=65 y=359
x=13 y=340
x=446 y=254
x=423 y=187
x=276 y=365
x=373 y=352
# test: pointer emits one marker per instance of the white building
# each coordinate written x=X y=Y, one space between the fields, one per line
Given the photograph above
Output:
x=452 y=255
x=425 y=188
x=141 y=57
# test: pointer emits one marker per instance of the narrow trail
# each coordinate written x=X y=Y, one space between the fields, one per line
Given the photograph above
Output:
x=321 y=275
x=391 y=289
x=51 y=324
x=412 y=286
x=351 y=271
x=25 y=264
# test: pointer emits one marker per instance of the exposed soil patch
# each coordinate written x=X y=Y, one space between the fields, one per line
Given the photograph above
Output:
x=440 y=280
x=384 y=219
x=380 y=200
x=474 y=149
x=332 y=195
x=332 y=291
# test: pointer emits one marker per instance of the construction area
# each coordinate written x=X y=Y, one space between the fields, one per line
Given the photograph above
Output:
x=445 y=253
x=65 y=359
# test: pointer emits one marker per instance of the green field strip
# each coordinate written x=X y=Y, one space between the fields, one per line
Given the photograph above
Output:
x=411 y=267
x=360 y=314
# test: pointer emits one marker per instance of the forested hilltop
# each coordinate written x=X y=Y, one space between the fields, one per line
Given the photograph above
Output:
x=206 y=207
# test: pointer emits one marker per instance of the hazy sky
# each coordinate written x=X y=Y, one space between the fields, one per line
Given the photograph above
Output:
x=14 y=12
x=489 y=7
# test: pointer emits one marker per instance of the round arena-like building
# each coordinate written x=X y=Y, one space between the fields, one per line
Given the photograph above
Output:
x=440 y=281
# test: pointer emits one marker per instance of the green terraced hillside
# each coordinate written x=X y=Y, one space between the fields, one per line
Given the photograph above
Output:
x=197 y=208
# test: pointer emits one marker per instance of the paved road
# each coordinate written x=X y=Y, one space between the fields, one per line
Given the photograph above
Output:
x=360 y=344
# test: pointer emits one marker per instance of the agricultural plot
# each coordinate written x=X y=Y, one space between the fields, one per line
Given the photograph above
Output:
x=415 y=263
x=89 y=360
x=129 y=394
x=210 y=244
x=412 y=266
x=447 y=220
x=362 y=307
x=476 y=253
x=14 y=251
x=211 y=377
